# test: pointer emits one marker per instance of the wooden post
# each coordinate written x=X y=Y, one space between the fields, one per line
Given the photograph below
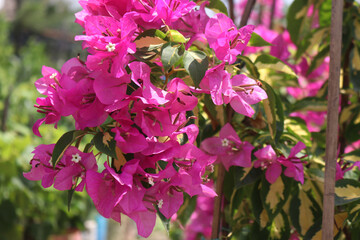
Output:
x=332 y=120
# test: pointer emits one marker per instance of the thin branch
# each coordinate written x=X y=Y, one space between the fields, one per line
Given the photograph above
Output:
x=246 y=15
x=272 y=14
x=231 y=9
x=332 y=120
x=218 y=202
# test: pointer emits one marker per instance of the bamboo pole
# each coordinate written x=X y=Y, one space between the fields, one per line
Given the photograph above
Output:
x=332 y=120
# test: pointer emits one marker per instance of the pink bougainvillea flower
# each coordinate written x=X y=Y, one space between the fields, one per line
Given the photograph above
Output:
x=180 y=96
x=76 y=164
x=216 y=81
x=240 y=91
x=294 y=166
x=224 y=37
x=267 y=160
x=244 y=92
x=141 y=77
x=192 y=163
x=129 y=139
x=154 y=14
x=228 y=148
x=107 y=188
x=201 y=219
x=69 y=172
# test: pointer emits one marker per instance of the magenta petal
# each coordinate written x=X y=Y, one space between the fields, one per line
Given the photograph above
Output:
x=48 y=179
x=104 y=194
x=172 y=201
x=36 y=126
x=240 y=106
x=273 y=172
x=266 y=153
x=145 y=221
x=36 y=173
x=227 y=131
x=65 y=178
x=132 y=201
x=297 y=148
x=208 y=191
x=213 y=146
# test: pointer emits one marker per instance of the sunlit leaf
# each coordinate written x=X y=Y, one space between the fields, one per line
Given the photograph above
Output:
x=257 y=41
x=196 y=64
x=266 y=61
x=346 y=191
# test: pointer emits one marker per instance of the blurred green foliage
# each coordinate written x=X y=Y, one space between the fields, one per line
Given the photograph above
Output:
x=27 y=211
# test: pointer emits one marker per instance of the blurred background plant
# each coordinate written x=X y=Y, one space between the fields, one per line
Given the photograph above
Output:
x=27 y=41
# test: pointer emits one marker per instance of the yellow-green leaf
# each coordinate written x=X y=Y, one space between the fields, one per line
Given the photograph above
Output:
x=306 y=218
x=266 y=61
x=275 y=194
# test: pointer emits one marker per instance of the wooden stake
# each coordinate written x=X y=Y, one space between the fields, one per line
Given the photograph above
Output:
x=332 y=120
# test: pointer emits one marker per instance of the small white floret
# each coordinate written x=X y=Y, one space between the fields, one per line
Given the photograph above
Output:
x=53 y=75
x=225 y=142
x=160 y=203
x=110 y=47
x=151 y=181
x=76 y=158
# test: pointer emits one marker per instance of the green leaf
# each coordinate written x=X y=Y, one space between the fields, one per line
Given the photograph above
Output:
x=250 y=66
x=355 y=68
x=243 y=177
x=70 y=195
x=257 y=41
x=105 y=143
x=170 y=54
x=319 y=59
x=63 y=143
x=164 y=220
x=274 y=196
x=325 y=13
x=305 y=212
x=310 y=104
x=196 y=63
x=151 y=33
x=352 y=156
x=257 y=206
x=273 y=111
x=175 y=36
x=297 y=128
x=266 y=61
x=218 y=6
x=295 y=18
x=346 y=191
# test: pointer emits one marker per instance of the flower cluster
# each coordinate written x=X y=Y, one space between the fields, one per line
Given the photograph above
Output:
x=142 y=110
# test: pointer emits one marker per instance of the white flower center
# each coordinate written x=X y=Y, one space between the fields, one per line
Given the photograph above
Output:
x=53 y=75
x=76 y=158
x=225 y=142
x=50 y=162
x=110 y=47
x=151 y=181
x=160 y=203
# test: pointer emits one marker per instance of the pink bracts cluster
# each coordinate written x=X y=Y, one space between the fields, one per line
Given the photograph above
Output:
x=115 y=93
